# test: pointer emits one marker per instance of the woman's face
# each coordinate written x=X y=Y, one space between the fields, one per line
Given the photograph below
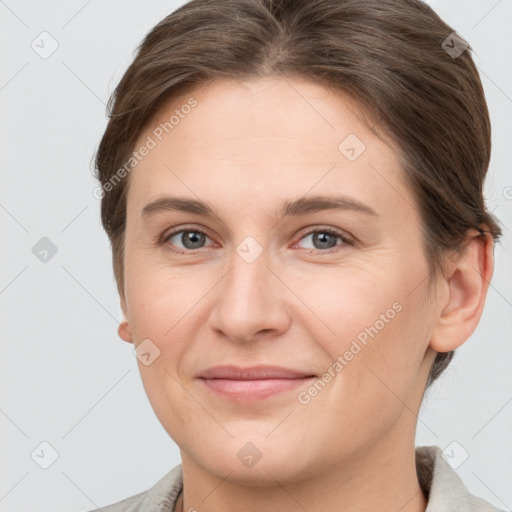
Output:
x=309 y=258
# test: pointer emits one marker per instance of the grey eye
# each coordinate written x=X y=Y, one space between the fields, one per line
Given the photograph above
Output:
x=189 y=238
x=322 y=240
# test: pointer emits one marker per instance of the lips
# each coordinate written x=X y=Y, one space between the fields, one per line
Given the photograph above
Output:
x=252 y=383
x=252 y=373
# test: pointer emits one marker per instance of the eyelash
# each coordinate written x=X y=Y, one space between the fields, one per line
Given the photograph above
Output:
x=317 y=229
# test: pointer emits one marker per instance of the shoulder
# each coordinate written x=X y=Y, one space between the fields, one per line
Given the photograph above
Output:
x=161 y=496
x=443 y=486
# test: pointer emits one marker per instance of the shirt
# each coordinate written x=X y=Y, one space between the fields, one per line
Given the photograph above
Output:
x=440 y=483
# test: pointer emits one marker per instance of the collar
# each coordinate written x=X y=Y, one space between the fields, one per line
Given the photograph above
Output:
x=442 y=486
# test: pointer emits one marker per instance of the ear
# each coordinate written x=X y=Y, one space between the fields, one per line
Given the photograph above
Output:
x=464 y=288
x=124 y=329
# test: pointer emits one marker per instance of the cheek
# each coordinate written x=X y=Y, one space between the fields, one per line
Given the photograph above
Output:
x=343 y=302
x=159 y=298
x=368 y=318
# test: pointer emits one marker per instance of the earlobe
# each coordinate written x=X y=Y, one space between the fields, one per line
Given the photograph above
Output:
x=124 y=330
x=467 y=280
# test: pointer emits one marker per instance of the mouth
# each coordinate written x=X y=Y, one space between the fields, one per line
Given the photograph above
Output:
x=254 y=383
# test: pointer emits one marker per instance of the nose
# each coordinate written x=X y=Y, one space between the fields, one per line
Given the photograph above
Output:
x=250 y=301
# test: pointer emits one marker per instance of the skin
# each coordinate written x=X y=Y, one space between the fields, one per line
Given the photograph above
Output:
x=244 y=149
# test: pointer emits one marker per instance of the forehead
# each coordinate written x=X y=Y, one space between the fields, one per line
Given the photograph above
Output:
x=293 y=113
x=264 y=135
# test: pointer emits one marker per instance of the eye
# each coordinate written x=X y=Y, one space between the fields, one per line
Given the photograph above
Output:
x=192 y=239
x=325 y=239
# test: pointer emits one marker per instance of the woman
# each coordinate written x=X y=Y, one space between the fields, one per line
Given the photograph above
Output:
x=293 y=194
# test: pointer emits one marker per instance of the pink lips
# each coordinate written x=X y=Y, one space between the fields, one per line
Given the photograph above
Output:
x=252 y=383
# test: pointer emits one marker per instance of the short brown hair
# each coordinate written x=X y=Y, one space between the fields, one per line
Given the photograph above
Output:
x=390 y=55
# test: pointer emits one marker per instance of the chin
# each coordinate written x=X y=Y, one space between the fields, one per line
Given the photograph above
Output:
x=254 y=460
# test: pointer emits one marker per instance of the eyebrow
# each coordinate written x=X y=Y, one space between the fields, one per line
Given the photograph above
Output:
x=301 y=206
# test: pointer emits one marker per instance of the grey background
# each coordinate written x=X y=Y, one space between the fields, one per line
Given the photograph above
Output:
x=66 y=377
